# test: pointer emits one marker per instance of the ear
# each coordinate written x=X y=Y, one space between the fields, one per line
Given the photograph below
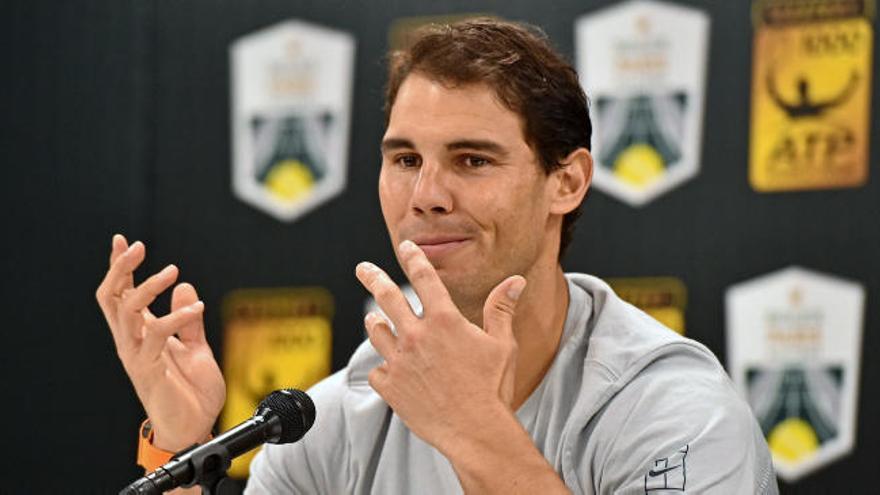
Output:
x=571 y=181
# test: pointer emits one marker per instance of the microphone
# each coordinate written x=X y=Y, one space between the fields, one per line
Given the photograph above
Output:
x=284 y=416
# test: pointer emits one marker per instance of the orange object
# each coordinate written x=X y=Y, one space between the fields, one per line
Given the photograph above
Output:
x=149 y=456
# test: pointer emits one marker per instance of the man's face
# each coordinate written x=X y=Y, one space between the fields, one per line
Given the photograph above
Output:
x=459 y=180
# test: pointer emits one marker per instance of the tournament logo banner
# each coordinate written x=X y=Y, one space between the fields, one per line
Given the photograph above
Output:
x=794 y=351
x=811 y=94
x=643 y=66
x=273 y=338
x=291 y=112
x=663 y=298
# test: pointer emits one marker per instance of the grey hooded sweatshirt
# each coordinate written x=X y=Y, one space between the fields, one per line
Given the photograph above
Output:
x=627 y=407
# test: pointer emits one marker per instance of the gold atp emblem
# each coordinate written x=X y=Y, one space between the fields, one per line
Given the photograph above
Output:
x=811 y=92
x=273 y=338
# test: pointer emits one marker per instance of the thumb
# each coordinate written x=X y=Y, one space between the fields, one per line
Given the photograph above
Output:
x=501 y=306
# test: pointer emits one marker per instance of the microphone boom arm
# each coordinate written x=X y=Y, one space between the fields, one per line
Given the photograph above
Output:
x=282 y=417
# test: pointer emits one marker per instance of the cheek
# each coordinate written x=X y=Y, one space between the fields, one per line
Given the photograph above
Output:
x=393 y=197
x=522 y=218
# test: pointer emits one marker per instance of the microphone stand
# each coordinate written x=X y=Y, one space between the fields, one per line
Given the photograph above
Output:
x=209 y=468
x=209 y=465
x=206 y=464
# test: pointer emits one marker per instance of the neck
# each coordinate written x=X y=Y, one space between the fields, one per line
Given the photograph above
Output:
x=537 y=326
x=538 y=322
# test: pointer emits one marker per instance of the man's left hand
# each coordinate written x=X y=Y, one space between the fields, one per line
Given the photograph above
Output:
x=442 y=374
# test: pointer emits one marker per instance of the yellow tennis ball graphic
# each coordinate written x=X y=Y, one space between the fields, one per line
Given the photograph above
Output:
x=289 y=180
x=793 y=440
x=639 y=165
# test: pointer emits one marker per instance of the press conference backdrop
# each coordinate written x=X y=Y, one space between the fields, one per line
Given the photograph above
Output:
x=120 y=117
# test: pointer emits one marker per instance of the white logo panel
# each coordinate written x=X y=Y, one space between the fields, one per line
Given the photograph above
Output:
x=643 y=65
x=794 y=351
x=291 y=113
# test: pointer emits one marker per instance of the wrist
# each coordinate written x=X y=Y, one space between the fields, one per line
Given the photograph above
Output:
x=149 y=456
x=485 y=435
x=175 y=443
x=497 y=455
x=154 y=451
x=177 y=432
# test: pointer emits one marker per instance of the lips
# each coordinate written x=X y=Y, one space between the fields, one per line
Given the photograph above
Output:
x=432 y=240
x=438 y=246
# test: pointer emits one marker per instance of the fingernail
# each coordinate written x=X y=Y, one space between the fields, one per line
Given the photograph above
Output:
x=368 y=319
x=196 y=307
x=408 y=246
x=516 y=288
x=167 y=270
x=365 y=266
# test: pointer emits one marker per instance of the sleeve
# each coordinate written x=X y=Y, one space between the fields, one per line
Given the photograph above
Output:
x=312 y=465
x=677 y=427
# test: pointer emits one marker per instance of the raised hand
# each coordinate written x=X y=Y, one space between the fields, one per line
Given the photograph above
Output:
x=442 y=374
x=166 y=357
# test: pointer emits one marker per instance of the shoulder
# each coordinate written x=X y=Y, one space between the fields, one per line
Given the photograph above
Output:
x=681 y=410
x=650 y=396
x=622 y=340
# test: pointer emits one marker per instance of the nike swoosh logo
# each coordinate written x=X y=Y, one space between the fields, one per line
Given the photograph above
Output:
x=653 y=473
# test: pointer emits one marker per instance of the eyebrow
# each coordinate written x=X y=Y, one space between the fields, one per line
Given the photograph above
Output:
x=478 y=145
x=391 y=144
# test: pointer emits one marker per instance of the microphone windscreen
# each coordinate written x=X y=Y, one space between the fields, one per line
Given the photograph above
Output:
x=295 y=409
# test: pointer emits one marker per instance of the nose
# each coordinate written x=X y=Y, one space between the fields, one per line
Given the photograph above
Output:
x=432 y=193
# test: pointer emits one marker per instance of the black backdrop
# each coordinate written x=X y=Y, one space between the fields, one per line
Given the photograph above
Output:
x=116 y=118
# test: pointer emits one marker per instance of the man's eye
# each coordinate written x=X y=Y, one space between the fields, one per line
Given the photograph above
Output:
x=474 y=161
x=409 y=161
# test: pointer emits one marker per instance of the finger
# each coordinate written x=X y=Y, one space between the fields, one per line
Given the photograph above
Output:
x=133 y=312
x=500 y=306
x=148 y=316
x=134 y=301
x=187 y=358
x=424 y=279
x=110 y=286
x=380 y=335
x=120 y=275
x=386 y=293
x=159 y=329
x=378 y=378
x=118 y=246
x=184 y=295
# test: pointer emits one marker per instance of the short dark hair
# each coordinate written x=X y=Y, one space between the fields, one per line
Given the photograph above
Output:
x=518 y=62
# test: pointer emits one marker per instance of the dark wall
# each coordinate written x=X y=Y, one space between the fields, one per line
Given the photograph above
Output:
x=116 y=119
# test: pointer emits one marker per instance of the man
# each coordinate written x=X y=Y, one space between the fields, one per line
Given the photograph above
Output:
x=516 y=378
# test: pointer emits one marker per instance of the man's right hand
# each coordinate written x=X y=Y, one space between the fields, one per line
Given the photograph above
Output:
x=167 y=357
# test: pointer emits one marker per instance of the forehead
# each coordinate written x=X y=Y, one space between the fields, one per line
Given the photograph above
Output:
x=432 y=109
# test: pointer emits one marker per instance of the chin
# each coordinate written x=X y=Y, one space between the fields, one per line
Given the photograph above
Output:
x=466 y=290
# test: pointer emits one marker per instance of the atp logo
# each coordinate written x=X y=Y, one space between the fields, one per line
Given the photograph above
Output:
x=811 y=95
x=805 y=105
x=668 y=473
x=806 y=146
